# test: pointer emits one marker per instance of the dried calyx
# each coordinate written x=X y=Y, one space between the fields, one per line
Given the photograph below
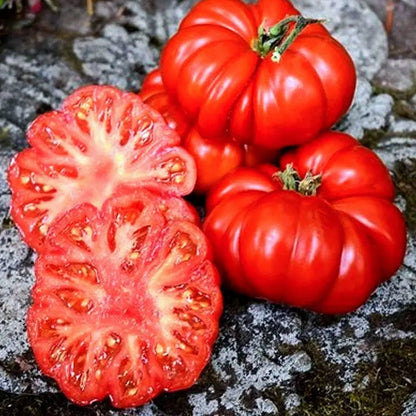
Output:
x=292 y=181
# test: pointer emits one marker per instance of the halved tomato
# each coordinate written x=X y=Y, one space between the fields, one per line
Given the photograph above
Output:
x=101 y=139
x=126 y=303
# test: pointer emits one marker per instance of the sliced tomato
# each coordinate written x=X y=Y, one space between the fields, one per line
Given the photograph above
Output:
x=126 y=303
x=101 y=139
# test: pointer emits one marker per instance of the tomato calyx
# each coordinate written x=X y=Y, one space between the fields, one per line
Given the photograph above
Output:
x=279 y=37
x=292 y=181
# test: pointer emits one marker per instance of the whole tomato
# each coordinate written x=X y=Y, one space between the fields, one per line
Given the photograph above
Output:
x=260 y=73
x=322 y=234
x=214 y=158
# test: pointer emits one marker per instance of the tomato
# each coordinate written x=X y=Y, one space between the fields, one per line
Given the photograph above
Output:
x=154 y=94
x=100 y=140
x=126 y=303
x=215 y=157
x=320 y=233
x=260 y=73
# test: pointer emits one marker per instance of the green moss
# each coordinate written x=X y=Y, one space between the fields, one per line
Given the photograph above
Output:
x=381 y=387
x=372 y=138
x=396 y=94
x=5 y=139
x=405 y=180
x=401 y=106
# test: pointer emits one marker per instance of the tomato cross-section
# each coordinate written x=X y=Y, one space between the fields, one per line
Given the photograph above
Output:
x=126 y=303
x=100 y=140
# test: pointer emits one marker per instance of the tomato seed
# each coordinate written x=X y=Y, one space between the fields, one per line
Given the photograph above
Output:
x=132 y=392
x=43 y=229
x=47 y=188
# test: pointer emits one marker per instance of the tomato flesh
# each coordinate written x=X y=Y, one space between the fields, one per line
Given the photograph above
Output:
x=100 y=140
x=126 y=302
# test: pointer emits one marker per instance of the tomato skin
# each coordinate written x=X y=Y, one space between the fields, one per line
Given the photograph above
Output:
x=327 y=252
x=153 y=93
x=214 y=157
x=227 y=88
x=126 y=302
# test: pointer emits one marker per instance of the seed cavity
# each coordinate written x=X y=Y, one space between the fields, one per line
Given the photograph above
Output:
x=75 y=300
x=51 y=328
x=191 y=319
x=128 y=380
x=173 y=170
x=172 y=365
x=182 y=247
x=78 y=271
x=80 y=233
x=184 y=344
x=196 y=300
x=58 y=352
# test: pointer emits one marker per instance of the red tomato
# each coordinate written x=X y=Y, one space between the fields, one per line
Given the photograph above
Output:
x=101 y=140
x=324 y=249
x=154 y=94
x=126 y=303
x=260 y=73
x=214 y=158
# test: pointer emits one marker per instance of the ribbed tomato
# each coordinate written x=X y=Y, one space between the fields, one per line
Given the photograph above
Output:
x=214 y=157
x=126 y=302
x=322 y=233
x=260 y=73
x=102 y=139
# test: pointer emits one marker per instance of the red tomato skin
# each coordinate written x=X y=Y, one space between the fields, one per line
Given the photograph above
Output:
x=325 y=253
x=214 y=157
x=227 y=88
x=153 y=93
x=240 y=180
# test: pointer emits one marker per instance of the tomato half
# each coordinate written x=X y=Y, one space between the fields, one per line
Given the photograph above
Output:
x=100 y=140
x=126 y=303
x=259 y=73
x=214 y=157
x=321 y=233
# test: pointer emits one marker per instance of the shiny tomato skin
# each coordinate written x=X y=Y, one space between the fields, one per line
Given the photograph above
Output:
x=126 y=302
x=326 y=252
x=100 y=140
x=227 y=88
x=214 y=157
x=154 y=94
x=239 y=180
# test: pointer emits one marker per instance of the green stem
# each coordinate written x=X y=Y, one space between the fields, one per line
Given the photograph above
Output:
x=279 y=37
x=291 y=181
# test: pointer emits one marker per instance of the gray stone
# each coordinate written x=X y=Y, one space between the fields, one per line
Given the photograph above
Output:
x=410 y=406
x=368 y=112
x=351 y=22
x=116 y=58
x=268 y=358
x=397 y=74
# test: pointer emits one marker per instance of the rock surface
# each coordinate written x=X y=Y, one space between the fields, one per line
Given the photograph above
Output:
x=269 y=359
